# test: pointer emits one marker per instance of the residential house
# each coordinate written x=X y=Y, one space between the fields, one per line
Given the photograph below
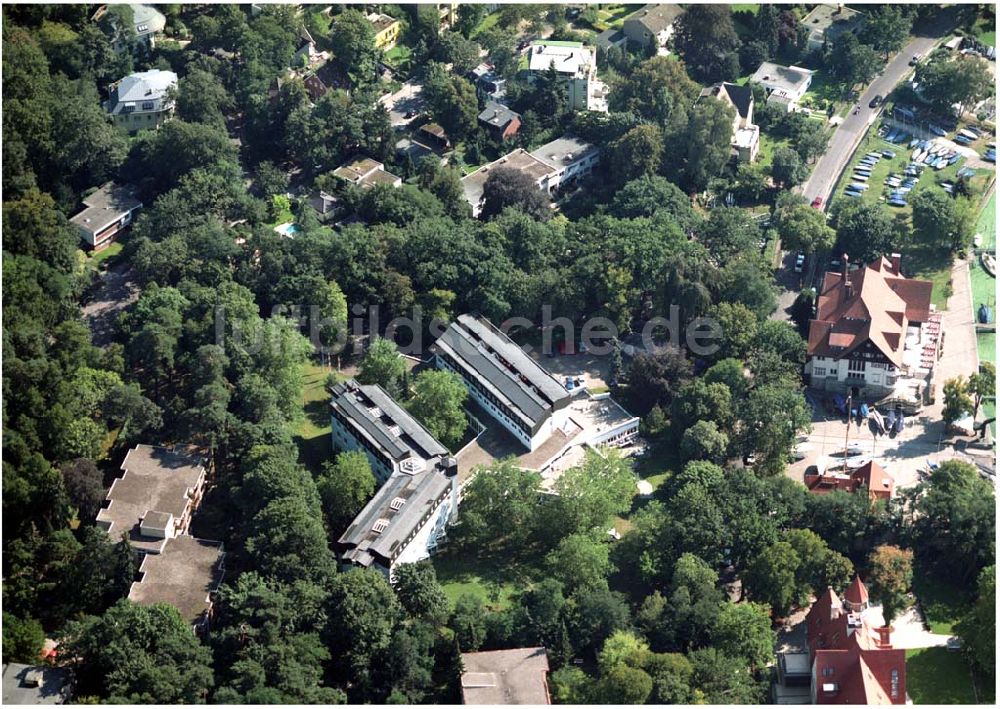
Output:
x=107 y=214
x=147 y=22
x=518 y=676
x=386 y=30
x=490 y=87
x=434 y=135
x=306 y=52
x=870 y=476
x=151 y=506
x=142 y=100
x=40 y=684
x=611 y=37
x=367 y=173
x=406 y=519
x=504 y=381
x=652 y=25
x=871 y=329
x=500 y=122
x=553 y=166
x=577 y=68
x=783 y=85
x=325 y=205
x=746 y=136
x=827 y=22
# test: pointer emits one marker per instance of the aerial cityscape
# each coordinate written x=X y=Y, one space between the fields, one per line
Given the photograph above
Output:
x=495 y=353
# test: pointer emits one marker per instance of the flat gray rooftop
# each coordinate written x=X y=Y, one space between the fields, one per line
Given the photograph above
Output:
x=520 y=160
x=108 y=204
x=155 y=480
x=55 y=684
x=182 y=575
x=563 y=151
x=516 y=676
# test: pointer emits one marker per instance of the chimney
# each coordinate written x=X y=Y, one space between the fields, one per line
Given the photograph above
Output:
x=896 y=262
x=884 y=636
x=844 y=260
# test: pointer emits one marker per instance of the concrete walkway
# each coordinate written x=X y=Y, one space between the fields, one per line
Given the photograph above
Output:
x=908 y=631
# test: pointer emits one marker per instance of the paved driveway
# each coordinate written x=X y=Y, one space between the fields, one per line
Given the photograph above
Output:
x=409 y=99
x=116 y=290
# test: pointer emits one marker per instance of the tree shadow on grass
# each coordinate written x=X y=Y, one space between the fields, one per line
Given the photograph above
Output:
x=318 y=413
x=315 y=451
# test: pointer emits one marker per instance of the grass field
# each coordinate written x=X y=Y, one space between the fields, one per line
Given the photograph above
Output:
x=985 y=30
x=312 y=435
x=987 y=224
x=104 y=255
x=936 y=676
x=487 y=22
x=493 y=580
x=768 y=144
x=987 y=346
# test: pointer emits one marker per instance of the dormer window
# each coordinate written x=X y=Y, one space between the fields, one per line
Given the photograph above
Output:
x=380 y=525
x=397 y=503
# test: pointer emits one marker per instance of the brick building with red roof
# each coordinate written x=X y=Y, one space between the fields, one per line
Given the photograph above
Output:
x=863 y=320
x=870 y=476
x=852 y=662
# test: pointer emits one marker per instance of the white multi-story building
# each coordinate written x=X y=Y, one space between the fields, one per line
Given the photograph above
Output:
x=508 y=384
x=576 y=65
x=407 y=517
x=552 y=166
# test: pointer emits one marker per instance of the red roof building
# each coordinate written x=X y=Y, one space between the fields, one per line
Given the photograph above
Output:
x=870 y=476
x=856 y=595
x=852 y=662
x=863 y=319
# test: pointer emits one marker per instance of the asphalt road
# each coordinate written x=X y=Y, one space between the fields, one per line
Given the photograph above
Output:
x=841 y=147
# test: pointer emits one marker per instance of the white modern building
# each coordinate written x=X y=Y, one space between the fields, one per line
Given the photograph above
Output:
x=508 y=384
x=784 y=85
x=552 y=166
x=107 y=213
x=142 y=100
x=407 y=518
x=577 y=66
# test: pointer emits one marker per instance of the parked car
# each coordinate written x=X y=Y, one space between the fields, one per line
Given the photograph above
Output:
x=800 y=262
x=875 y=102
x=817 y=203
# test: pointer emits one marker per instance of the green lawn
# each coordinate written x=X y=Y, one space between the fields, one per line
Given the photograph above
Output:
x=936 y=676
x=312 y=435
x=612 y=16
x=985 y=30
x=104 y=255
x=489 y=21
x=768 y=144
x=987 y=346
x=987 y=224
x=493 y=580
x=399 y=57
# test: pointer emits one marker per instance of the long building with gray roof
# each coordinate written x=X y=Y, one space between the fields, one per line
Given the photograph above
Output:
x=517 y=391
x=407 y=517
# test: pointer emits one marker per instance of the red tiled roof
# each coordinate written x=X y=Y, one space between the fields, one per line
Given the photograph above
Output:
x=874 y=303
x=856 y=593
x=852 y=663
x=870 y=475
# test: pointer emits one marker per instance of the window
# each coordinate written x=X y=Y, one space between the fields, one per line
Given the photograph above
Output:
x=828 y=672
x=819 y=371
x=148 y=105
x=856 y=366
x=894 y=684
x=397 y=503
x=380 y=526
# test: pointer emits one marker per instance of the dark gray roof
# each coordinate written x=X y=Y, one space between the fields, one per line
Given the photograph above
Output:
x=741 y=96
x=184 y=575
x=496 y=114
x=492 y=358
x=356 y=401
x=19 y=684
x=419 y=494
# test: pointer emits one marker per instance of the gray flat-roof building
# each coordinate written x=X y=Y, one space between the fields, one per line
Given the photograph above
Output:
x=407 y=517
x=155 y=497
x=185 y=575
x=152 y=504
x=40 y=684
x=518 y=676
x=107 y=213
x=514 y=389
x=555 y=164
